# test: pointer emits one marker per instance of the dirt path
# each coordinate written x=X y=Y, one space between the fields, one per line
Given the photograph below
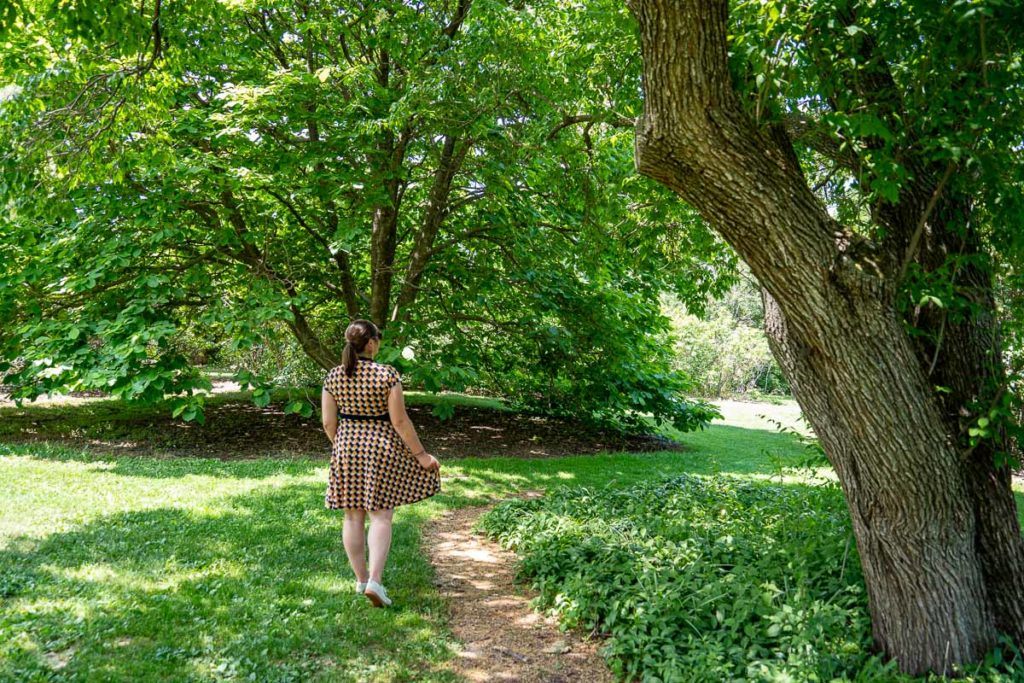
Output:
x=502 y=638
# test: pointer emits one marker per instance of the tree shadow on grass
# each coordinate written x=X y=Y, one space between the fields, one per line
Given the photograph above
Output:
x=259 y=589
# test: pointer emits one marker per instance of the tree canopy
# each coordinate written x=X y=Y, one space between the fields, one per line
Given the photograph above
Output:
x=461 y=173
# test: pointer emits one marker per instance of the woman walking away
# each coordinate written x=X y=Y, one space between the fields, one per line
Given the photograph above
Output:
x=377 y=461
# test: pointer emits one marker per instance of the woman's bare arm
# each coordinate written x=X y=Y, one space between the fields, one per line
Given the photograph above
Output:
x=403 y=425
x=329 y=413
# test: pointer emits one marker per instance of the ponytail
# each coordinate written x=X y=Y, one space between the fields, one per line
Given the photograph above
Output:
x=348 y=359
x=357 y=335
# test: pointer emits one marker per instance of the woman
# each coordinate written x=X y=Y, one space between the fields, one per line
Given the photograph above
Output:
x=377 y=461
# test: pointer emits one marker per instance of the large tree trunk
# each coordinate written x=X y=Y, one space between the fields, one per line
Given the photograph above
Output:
x=909 y=502
x=937 y=536
x=963 y=355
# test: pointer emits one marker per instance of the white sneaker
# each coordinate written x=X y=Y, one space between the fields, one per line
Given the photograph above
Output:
x=360 y=587
x=376 y=594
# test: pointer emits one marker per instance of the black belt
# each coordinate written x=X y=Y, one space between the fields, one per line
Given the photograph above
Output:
x=383 y=417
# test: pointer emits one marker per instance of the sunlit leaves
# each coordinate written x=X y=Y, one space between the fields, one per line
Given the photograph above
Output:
x=210 y=197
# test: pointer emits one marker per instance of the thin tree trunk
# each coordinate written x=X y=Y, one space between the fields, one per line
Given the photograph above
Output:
x=388 y=161
x=449 y=163
x=384 y=232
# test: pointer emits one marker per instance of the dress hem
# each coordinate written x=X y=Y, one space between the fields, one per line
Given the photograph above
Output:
x=328 y=506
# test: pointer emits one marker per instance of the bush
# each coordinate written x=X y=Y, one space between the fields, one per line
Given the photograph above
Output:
x=724 y=350
x=702 y=579
x=278 y=358
x=590 y=351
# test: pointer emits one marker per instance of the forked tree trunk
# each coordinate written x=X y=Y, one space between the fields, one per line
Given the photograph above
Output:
x=937 y=536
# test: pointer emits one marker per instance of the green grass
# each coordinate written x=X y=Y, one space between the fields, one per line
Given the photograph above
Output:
x=151 y=569
x=197 y=570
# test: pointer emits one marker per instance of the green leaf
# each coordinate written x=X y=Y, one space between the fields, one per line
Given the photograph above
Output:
x=444 y=410
x=261 y=397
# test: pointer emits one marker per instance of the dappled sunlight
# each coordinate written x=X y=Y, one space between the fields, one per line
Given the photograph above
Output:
x=178 y=565
x=180 y=588
x=500 y=636
x=55 y=496
x=99 y=578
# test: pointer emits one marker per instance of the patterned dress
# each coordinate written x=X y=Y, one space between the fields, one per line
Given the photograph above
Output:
x=371 y=467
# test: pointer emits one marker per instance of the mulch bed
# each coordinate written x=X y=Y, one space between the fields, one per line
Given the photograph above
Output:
x=239 y=430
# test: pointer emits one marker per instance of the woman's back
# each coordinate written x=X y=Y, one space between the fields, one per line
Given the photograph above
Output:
x=377 y=460
x=366 y=391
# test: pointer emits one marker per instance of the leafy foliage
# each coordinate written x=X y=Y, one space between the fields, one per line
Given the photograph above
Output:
x=462 y=173
x=725 y=351
x=705 y=579
x=907 y=120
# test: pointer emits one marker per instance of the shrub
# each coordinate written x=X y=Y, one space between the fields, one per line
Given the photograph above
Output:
x=702 y=579
x=724 y=350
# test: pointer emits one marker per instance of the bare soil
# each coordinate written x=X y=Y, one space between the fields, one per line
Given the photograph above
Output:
x=502 y=638
x=237 y=429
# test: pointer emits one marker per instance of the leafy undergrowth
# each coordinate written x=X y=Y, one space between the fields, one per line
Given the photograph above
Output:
x=695 y=578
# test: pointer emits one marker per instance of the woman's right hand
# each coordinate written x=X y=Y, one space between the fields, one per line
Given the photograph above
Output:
x=427 y=461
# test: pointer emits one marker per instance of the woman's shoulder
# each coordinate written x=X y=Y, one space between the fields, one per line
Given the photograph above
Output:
x=389 y=371
x=384 y=367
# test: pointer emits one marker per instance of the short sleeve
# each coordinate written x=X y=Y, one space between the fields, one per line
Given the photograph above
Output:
x=393 y=377
x=331 y=383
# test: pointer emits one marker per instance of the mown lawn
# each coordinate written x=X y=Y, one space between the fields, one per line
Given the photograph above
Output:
x=140 y=569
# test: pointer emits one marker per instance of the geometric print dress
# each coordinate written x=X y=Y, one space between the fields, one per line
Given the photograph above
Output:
x=371 y=467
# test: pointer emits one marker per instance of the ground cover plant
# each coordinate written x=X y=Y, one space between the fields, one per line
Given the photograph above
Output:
x=707 y=578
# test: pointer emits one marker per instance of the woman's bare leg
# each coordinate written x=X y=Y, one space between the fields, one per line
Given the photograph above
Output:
x=380 y=542
x=355 y=543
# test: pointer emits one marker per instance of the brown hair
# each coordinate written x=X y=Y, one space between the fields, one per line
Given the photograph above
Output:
x=357 y=335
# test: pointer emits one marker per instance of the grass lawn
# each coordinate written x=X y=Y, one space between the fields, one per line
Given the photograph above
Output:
x=141 y=569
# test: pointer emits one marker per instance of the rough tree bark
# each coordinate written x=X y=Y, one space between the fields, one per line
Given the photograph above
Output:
x=936 y=532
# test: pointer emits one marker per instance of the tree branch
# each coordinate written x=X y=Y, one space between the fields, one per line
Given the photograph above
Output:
x=449 y=162
x=612 y=119
x=695 y=137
